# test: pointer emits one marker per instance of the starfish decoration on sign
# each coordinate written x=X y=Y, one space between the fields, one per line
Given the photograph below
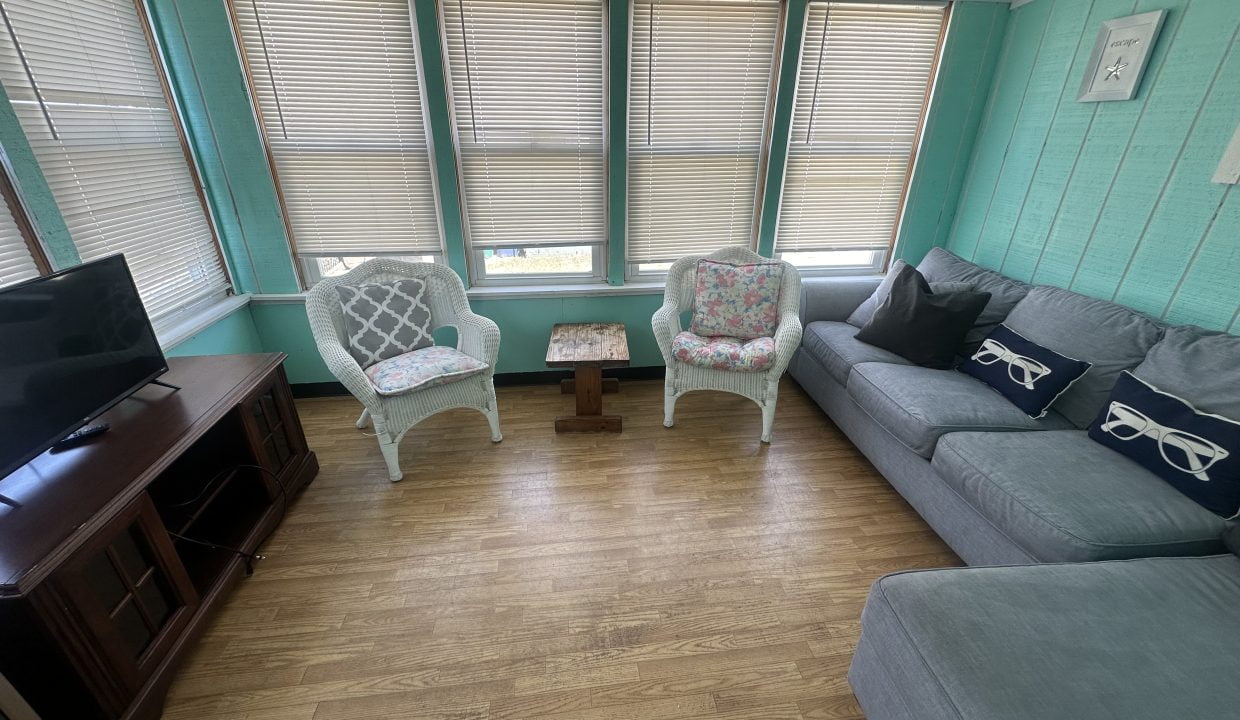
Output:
x=1113 y=70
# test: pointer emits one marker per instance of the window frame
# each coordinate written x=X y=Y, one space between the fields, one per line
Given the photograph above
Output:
x=303 y=264
x=308 y=264
x=12 y=198
x=884 y=256
x=632 y=270
x=476 y=267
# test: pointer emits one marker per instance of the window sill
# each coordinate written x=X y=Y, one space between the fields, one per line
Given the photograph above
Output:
x=511 y=292
x=201 y=319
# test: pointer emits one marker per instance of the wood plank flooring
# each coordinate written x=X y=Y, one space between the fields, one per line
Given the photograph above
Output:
x=660 y=573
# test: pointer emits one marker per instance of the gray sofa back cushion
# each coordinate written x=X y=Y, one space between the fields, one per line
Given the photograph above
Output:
x=1231 y=536
x=1201 y=366
x=940 y=265
x=865 y=311
x=1110 y=336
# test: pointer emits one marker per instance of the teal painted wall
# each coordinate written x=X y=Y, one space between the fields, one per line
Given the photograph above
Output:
x=234 y=333
x=1112 y=199
x=966 y=69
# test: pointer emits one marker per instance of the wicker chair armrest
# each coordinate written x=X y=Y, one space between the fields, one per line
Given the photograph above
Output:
x=666 y=324
x=342 y=365
x=478 y=337
x=787 y=339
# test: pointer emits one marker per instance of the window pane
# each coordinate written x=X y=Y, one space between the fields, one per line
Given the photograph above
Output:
x=866 y=259
x=850 y=144
x=527 y=98
x=90 y=99
x=577 y=260
x=336 y=85
x=339 y=265
x=699 y=86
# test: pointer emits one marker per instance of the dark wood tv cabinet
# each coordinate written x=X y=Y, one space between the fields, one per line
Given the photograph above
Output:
x=122 y=548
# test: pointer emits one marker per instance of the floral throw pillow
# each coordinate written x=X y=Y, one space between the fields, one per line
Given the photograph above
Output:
x=739 y=301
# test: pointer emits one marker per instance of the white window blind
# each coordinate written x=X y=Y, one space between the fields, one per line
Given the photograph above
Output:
x=91 y=101
x=16 y=263
x=527 y=96
x=698 y=94
x=336 y=85
x=860 y=91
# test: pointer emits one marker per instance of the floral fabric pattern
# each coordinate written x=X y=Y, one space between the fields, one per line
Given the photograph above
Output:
x=421 y=369
x=737 y=301
x=724 y=353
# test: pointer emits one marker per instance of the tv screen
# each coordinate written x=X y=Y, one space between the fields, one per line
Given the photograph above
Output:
x=72 y=344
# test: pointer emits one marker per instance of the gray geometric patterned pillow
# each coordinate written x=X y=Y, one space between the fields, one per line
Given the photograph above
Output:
x=384 y=320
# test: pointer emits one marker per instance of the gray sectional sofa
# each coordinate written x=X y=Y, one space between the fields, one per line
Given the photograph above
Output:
x=1145 y=634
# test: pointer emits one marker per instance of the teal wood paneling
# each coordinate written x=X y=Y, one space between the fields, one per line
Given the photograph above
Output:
x=1171 y=111
x=966 y=68
x=435 y=93
x=232 y=334
x=1115 y=200
x=1025 y=32
x=1061 y=149
x=781 y=122
x=36 y=196
x=206 y=76
x=1044 y=88
x=619 y=22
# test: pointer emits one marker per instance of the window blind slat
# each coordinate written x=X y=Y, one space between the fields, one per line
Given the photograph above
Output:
x=527 y=97
x=336 y=84
x=860 y=90
x=108 y=144
x=699 y=84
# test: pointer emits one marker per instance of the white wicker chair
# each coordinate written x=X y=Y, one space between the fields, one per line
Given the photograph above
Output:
x=761 y=387
x=393 y=415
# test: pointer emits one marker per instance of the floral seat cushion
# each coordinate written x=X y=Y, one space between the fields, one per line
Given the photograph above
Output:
x=739 y=301
x=420 y=369
x=724 y=353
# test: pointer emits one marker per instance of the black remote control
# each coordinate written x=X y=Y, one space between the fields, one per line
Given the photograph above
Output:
x=79 y=436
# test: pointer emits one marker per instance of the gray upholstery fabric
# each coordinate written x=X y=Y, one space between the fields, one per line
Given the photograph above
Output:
x=918 y=405
x=970 y=535
x=1110 y=336
x=865 y=311
x=834 y=298
x=1231 y=537
x=1144 y=639
x=835 y=345
x=1201 y=366
x=1065 y=498
x=384 y=320
x=940 y=265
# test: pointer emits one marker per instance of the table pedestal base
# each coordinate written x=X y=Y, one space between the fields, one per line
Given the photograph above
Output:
x=588 y=386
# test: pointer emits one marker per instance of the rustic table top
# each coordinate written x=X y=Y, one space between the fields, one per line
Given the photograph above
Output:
x=601 y=344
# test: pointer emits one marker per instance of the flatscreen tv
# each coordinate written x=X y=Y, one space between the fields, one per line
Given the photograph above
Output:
x=72 y=345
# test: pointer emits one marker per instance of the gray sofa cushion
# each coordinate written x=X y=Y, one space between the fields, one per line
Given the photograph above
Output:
x=1110 y=336
x=834 y=344
x=917 y=405
x=1201 y=366
x=940 y=265
x=1065 y=498
x=1231 y=538
x=1145 y=639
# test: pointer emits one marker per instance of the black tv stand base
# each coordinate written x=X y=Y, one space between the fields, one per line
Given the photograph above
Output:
x=161 y=383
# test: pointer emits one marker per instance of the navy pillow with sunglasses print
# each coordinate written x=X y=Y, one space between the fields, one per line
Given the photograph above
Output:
x=1198 y=453
x=1024 y=372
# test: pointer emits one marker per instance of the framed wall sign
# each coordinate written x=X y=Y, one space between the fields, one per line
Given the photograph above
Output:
x=1120 y=54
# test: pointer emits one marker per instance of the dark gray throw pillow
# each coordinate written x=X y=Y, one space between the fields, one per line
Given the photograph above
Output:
x=919 y=325
x=384 y=320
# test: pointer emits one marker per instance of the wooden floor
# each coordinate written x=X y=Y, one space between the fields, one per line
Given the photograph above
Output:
x=660 y=573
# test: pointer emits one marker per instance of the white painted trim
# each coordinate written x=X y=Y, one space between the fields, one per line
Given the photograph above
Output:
x=200 y=320
x=1228 y=172
x=1018 y=3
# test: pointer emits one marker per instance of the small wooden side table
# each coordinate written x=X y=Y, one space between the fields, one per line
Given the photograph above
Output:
x=588 y=348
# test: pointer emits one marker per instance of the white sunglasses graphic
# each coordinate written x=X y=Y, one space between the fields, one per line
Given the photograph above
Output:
x=1022 y=369
x=1193 y=454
